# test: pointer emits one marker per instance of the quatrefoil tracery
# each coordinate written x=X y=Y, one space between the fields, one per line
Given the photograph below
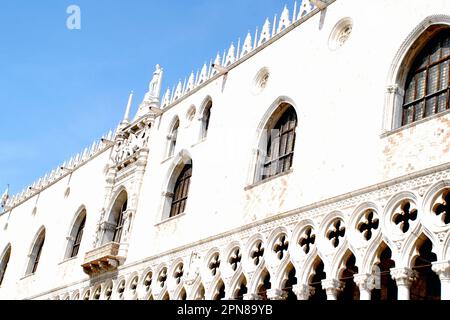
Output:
x=308 y=240
x=257 y=253
x=281 y=246
x=442 y=209
x=406 y=215
x=179 y=272
x=214 y=264
x=235 y=259
x=148 y=281
x=162 y=278
x=368 y=224
x=336 y=232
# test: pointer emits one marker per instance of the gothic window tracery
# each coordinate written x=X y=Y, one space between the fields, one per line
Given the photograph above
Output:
x=336 y=232
x=442 y=209
x=78 y=236
x=235 y=259
x=120 y=221
x=181 y=191
x=308 y=240
x=257 y=253
x=405 y=216
x=4 y=263
x=172 y=138
x=368 y=225
x=280 y=142
x=206 y=119
x=427 y=85
x=214 y=264
x=35 y=255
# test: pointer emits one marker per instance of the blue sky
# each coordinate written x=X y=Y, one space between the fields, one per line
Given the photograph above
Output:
x=61 y=89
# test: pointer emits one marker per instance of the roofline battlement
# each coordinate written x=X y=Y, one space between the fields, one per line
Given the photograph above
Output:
x=230 y=59
x=59 y=173
x=270 y=32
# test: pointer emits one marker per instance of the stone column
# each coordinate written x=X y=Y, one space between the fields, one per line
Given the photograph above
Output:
x=303 y=292
x=332 y=287
x=252 y=296
x=404 y=277
x=276 y=294
x=442 y=268
x=366 y=284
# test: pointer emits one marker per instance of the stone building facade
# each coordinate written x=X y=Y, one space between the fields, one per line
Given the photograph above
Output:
x=309 y=161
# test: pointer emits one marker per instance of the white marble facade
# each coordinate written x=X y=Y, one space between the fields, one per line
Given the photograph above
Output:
x=363 y=194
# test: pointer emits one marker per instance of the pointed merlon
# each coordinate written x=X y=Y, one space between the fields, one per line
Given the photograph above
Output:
x=274 y=31
x=126 y=117
x=265 y=33
x=247 y=48
x=256 y=39
x=294 y=16
x=284 y=20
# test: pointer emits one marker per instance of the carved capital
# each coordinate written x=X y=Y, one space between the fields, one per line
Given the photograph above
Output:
x=403 y=276
x=303 y=292
x=252 y=296
x=332 y=286
x=276 y=294
x=365 y=282
x=106 y=225
x=442 y=269
x=392 y=89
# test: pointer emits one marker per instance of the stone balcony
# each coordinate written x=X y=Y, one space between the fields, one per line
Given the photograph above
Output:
x=103 y=259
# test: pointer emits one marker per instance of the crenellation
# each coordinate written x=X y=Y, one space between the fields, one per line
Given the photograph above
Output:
x=194 y=199
x=57 y=174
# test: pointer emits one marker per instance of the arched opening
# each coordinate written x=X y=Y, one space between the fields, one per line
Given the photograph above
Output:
x=276 y=148
x=385 y=286
x=318 y=293
x=166 y=297
x=181 y=191
x=241 y=289
x=76 y=235
x=200 y=293
x=114 y=230
x=36 y=253
x=183 y=295
x=264 y=285
x=427 y=84
x=206 y=119
x=220 y=291
x=350 y=290
x=290 y=281
x=4 y=263
x=427 y=285
x=172 y=138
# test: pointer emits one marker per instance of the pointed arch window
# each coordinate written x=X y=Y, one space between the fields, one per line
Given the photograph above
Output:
x=181 y=191
x=35 y=255
x=4 y=264
x=280 y=142
x=173 y=136
x=78 y=237
x=113 y=227
x=427 y=85
x=206 y=119
x=119 y=226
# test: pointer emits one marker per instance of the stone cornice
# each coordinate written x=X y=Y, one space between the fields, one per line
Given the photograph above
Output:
x=318 y=209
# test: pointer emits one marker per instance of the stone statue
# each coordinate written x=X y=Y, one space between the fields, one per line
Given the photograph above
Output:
x=154 y=87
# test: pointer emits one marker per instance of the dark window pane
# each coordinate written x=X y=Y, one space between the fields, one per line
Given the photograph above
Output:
x=443 y=76
x=442 y=102
x=431 y=104
x=280 y=145
x=432 y=82
x=181 y=191
x=428 y=80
